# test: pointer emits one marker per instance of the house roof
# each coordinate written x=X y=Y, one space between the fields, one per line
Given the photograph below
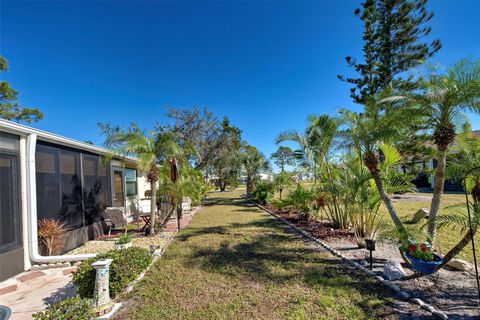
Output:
x=23 y=130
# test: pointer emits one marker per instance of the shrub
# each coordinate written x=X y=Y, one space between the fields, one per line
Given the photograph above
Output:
x=126 y=266
x=68 y=309
x=124 y=239
x=301 y=199
x=49 y=233
x=263 y=192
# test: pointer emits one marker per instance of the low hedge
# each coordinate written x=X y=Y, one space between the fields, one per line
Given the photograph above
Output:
x=68 y=309
x=126 y=266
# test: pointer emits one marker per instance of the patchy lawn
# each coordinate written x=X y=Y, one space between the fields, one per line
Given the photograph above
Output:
x=236 y=262
x=446 y=238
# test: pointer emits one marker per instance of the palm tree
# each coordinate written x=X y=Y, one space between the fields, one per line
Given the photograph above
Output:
x=150 y=148
x=253 y=162
x=444 y=98
x=365 y=134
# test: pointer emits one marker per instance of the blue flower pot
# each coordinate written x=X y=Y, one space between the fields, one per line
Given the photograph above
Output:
x=425 y=266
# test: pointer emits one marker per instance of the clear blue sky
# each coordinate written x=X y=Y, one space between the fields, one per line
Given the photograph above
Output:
x=266 y=65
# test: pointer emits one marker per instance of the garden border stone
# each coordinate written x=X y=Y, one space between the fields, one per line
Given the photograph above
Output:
x=404 y=295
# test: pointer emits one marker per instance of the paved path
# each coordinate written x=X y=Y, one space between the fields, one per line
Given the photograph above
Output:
x=29 y=291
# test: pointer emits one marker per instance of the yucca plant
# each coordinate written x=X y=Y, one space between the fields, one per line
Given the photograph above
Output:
x=50 y=232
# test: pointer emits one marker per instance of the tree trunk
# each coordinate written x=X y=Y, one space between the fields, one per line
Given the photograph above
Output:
x=388 y=203
x=437 y=193
x=330 y=179
x=153 y=206
x=281 y=189
x=458 y=247
x=164 y=223
x=249 y=185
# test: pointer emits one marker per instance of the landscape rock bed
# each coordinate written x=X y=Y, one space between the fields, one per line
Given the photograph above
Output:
x=139 y=240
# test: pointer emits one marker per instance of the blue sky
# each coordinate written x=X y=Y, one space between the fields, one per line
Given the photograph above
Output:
x=266 y=65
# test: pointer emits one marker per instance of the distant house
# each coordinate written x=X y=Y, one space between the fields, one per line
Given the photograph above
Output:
x=261 y=176
x=426 y=166
x=44 y=175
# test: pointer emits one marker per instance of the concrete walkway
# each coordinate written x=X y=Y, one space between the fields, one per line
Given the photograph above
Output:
x=30 y=291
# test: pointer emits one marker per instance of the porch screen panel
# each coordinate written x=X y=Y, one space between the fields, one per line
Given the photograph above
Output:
x=9 y=203
x=72 y=186
x=71 y=209
x=95 y=188
x=48 y=182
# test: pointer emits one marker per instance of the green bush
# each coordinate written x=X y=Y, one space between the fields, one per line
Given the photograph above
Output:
x=263 y=192
x=301 y=199
x=68 y=309
x=126 y=266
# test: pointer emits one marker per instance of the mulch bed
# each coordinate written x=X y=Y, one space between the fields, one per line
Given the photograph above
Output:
x=321 y=230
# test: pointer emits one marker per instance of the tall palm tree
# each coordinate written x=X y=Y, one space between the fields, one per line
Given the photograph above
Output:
x=253 y=162
x=446 y=95
x=365 y=134
x=151 y=149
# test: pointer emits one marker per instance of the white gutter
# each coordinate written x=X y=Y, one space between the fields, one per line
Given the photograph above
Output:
x=32 y=211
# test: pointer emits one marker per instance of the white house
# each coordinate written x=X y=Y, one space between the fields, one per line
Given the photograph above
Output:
x=44 y=175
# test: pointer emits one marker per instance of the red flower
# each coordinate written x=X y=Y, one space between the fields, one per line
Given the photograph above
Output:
x=412 y=248
x=423 y=247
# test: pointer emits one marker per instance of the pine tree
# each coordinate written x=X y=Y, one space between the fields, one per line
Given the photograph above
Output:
x=393 y=45
x=10 y=109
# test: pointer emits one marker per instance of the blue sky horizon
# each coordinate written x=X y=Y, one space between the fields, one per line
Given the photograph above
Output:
x=265 y=65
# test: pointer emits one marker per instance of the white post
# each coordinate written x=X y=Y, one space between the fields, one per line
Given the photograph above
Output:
x=101 y=296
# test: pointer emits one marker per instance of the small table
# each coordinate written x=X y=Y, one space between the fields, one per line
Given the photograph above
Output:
x=147 y=219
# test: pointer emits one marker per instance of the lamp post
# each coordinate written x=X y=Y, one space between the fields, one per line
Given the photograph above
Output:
x=370 y=245
x=471 y=228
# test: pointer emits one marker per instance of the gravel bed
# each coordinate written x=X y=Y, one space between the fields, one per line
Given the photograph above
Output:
x=139 y=240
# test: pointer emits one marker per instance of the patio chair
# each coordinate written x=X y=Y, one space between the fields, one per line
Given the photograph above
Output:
x=114 y=218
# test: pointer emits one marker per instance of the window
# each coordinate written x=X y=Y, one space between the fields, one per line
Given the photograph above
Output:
x=131 y=181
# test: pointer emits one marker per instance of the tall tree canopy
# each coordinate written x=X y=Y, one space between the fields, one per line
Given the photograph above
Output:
x=198 y=127
x=393 y=44
x=226 y=163
x=283 y=157
x=10 y=108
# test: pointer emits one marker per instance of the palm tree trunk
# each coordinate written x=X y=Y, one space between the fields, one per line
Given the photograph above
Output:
x=167 y=218
x=388 y=202
x=249 y=185
x=437 y=193
x=458 y=247
x=153 y=206
x=330 y=179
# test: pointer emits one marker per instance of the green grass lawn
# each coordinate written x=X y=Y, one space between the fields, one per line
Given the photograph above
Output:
x=236 y=262
x=446 y=238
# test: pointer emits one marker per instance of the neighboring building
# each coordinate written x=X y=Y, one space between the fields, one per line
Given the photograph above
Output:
x=43 y=175
x=261 y=176
x=426 y=166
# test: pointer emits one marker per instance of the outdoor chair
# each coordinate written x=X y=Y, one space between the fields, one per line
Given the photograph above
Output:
x=114 y=218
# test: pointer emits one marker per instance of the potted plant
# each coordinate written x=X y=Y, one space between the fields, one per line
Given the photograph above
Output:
x=124 y=242
x=421 y=256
